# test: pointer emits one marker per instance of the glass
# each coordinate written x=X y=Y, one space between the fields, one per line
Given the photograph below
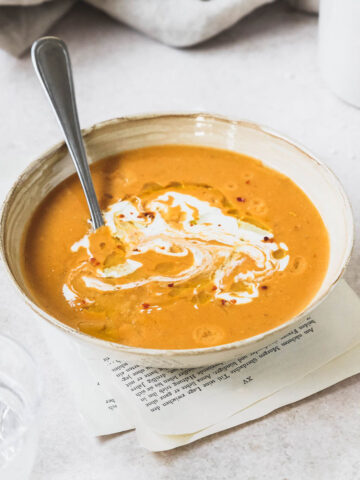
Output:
x=20 y=393
x=339 y=47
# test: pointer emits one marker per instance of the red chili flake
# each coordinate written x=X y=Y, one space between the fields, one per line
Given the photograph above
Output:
x=247 y=182
x=170 y=284
x=118 y=246
x=223 y=302
x=121 y=215
x=108 y=195
x=240 y=199
x=233 y=301
x=136 y=250
x=214 y=287
x=264 y=287
x=146 y=305
x=149 y=214
x=268 y=239
x=93 y=261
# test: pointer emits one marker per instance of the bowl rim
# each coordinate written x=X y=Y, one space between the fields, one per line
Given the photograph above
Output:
x=150 y=352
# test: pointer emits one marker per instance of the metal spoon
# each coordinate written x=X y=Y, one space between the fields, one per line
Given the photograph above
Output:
x=51 y=61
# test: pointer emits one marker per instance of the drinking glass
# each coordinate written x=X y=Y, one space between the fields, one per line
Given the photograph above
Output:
x=20 y=393
x=339 y=47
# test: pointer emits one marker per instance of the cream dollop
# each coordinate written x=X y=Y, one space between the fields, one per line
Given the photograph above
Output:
x=237 y=256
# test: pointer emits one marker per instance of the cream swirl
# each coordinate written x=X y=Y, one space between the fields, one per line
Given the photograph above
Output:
x=178 y=240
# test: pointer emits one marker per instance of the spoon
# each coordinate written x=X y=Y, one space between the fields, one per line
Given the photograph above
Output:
x=51 y=61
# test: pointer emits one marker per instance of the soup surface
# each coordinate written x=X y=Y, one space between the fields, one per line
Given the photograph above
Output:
x=201 y=247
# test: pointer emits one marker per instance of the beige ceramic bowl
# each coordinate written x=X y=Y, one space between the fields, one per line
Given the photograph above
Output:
x=114 y=136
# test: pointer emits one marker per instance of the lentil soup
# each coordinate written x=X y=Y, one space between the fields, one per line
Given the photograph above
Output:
x=200 y=247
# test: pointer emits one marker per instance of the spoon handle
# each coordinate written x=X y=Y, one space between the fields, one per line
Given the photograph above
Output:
x=51 y=61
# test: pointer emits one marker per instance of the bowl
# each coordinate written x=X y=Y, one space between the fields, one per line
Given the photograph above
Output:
x=113 y=136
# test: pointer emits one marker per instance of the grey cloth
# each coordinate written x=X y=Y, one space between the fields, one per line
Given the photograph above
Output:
x=21 y=25
x=311 y=6
x=179 y=23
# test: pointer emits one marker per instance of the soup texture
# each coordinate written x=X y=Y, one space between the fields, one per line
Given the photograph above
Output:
x=200 y=247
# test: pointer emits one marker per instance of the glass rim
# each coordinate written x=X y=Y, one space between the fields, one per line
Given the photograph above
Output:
x=30 y=416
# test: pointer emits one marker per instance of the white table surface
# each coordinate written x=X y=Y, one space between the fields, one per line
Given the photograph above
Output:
x=263 y=69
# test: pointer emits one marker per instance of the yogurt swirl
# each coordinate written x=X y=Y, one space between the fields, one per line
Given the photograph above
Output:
x=172 y=244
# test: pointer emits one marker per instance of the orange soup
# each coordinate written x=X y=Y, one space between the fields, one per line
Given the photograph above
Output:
x=200 y=247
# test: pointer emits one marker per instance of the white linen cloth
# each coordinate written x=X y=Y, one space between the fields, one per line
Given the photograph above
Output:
x=179 y=23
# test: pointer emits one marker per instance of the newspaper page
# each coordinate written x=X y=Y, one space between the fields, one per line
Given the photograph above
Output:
x=180 y=402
